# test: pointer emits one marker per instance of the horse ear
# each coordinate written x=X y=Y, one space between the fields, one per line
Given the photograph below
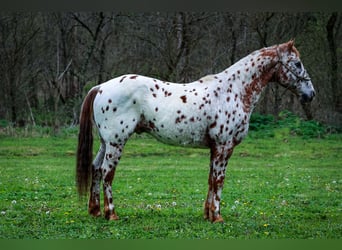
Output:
x=290 y=45
x=291 y=48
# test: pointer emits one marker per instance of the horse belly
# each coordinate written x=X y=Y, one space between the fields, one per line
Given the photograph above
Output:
x=173 y=128
x=180 y=138
x=174 y=115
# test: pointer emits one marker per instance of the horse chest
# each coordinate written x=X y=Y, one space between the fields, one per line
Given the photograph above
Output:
x=229 y=126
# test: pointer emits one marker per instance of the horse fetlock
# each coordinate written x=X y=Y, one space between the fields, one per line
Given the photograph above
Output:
x=94 y=211
x=212 y=212
x=212 y=216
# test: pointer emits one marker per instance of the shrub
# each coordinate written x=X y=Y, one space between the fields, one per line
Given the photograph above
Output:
x=288 y=124
x=3 y=123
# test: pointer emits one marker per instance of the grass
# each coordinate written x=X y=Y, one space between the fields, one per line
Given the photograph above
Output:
x=279 y=187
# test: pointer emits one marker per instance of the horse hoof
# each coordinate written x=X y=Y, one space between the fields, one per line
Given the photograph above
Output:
x=98 y=214
x=218 y=220
x=113 y=217
x=212 y=219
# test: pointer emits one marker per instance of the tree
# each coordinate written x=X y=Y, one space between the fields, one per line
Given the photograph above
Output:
x=333 y=26
x=18 y=31
x=50 y=60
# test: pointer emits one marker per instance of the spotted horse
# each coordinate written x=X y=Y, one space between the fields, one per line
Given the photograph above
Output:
x=212 y=112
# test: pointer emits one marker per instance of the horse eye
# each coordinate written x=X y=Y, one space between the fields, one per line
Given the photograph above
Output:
x=298 y=65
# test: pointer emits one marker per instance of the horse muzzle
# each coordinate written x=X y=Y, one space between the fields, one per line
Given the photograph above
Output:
x=307 y=97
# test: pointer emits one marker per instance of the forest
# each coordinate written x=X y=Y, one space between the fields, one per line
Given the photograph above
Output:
x=49 y=60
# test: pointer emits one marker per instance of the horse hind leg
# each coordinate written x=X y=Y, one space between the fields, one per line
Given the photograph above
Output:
x=94 y=199
x=111 y=160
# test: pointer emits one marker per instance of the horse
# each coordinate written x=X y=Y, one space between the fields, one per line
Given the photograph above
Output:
x=212 y=112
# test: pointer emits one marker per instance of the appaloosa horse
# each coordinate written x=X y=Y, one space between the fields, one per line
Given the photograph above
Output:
x=212 y=112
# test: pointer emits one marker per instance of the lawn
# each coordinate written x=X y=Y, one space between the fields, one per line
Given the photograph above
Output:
x=284 y=187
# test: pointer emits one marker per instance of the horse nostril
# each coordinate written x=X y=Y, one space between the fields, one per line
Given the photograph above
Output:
x=305 y=98
x=313 y=93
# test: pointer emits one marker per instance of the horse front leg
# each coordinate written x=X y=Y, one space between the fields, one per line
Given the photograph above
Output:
x=112 y=158
x=218 y=163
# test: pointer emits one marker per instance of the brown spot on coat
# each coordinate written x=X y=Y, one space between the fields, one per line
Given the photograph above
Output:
x=213 y=125
x=123 y=78
x=183 y=97
x=151 y=125
x=255 y=87
x=110 y=175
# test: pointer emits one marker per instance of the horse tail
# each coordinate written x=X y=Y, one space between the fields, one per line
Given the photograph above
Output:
x=84 y=155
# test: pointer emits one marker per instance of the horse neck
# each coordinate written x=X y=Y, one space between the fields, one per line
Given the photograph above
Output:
x=251 y=75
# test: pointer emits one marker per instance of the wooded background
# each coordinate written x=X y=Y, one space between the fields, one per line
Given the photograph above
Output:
x=49 y=60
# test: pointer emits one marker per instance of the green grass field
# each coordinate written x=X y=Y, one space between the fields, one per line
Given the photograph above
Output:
x=280 y=187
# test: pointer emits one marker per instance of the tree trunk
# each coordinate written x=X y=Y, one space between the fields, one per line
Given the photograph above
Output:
x=331 y=37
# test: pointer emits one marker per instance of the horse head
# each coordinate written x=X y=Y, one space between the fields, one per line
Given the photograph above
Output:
x=292 y=74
